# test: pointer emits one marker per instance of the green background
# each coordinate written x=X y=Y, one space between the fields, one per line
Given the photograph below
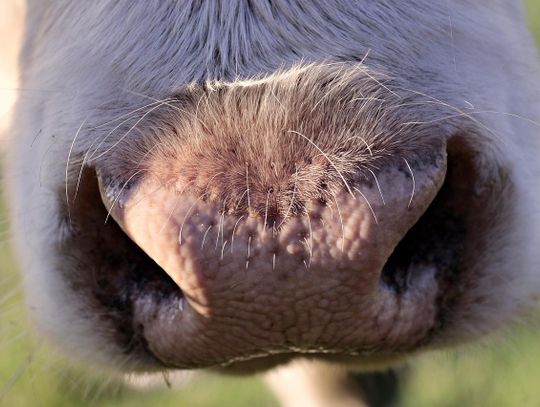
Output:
x=504 y=372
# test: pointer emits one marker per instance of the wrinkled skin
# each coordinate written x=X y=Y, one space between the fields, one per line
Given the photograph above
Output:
x=245 y=184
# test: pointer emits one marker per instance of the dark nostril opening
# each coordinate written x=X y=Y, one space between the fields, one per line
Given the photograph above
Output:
x=438 y=241
x=122 y=269
x=110 y=268
x=435 y=242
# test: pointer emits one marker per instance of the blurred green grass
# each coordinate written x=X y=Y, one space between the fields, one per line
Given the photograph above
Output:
x=505 y=373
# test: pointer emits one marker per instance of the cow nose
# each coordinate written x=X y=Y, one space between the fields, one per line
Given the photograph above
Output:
x=281 y=261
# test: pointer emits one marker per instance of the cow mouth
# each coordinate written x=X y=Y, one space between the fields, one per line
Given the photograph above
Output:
x=405 y=298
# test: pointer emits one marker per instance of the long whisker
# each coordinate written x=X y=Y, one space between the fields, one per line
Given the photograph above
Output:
x=186 y=216
x=223 y=249
x=93 y=149
x=233 y=231
x=266 y=209
x=248 y=252
x=174 y=107
x=67 y=166
x=127 y=115
x=368 y=204
x=221 y=227
x=342 y=226
x=286 y=215
x=247 y=188
x=120 y=193
x=413 y=182
x=310 y=244
x=204 y=236
x=378 y=186
x=363 y=140
x=93 y=158
x=445 y=104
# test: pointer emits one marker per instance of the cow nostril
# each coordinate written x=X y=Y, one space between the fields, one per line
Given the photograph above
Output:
x=122 y=272
x=437 y=242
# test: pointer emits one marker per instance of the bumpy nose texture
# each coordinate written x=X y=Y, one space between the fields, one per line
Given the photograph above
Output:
x=273 y=177
x=311 y=281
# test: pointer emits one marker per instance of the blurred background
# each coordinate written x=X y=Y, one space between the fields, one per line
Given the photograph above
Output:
x=503 y=372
